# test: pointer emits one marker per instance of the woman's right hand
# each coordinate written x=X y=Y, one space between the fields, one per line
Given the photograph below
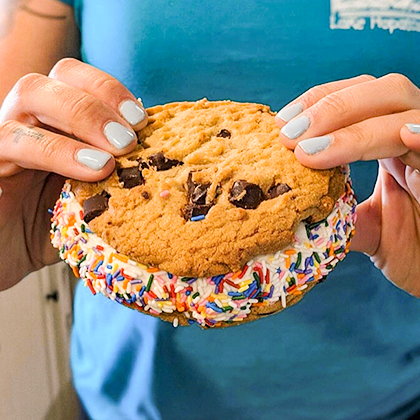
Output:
x=69 y=124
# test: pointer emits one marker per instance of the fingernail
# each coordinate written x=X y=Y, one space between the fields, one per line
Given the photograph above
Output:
x=296 y=128
x=315 y=144
x=93 y=159
x=414 y=128
x=1 y=191
x=132 y=112
x=118 y=135
x=289 y=112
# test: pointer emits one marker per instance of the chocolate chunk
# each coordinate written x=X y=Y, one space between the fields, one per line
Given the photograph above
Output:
x=130 y=177
x=190 y=185
x=145 y=195
x=192 y=210
x=224 y=133
x=162 y=163
x=197 y=194
x=277 y=190
x=246 y=195
x=142 y=164
x=95 y=206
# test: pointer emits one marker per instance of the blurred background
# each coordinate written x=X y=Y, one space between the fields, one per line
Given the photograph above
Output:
x=35 y=324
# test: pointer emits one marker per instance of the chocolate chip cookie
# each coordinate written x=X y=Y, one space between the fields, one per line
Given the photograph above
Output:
x=208 y=187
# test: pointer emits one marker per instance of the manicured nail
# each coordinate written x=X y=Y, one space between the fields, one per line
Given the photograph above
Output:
x=296 y=128
x=414 y=128
x=132 y=112
x=118 y=135
x=93 y=159
x=315 y=144
x=289 y=112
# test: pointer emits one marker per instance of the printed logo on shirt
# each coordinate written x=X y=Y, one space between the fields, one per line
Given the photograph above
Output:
x=390 y=15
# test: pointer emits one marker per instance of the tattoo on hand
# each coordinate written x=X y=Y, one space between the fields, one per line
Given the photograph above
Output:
x=20 y=132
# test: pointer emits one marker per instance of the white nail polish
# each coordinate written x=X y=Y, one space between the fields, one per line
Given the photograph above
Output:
x=315 y=144
x=93 y=159
x=414 y=128
x=132 y=112
x=118 y=135
x=296 y=128
x=289 y=112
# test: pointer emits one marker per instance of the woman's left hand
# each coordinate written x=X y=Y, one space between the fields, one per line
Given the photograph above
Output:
x=364 y=119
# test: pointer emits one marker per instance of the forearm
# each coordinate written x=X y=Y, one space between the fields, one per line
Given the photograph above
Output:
x=35 y=34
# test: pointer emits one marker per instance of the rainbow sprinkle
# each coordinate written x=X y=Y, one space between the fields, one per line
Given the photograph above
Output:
x=207 y=301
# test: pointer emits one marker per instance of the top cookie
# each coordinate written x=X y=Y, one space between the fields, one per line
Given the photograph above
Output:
x=208 y=188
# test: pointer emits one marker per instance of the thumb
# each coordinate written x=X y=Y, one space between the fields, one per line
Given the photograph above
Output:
x=368 y=228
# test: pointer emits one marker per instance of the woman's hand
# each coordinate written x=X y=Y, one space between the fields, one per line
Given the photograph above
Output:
x=363 y=119
x=69 y=124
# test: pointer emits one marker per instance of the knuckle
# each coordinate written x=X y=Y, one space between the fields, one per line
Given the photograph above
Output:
x=107 y=84
x=50 y=147
x=6 y=129
x=399 y=81
x=335 y=103
x=313 y=95
x=29 y=82
x=356 y=133
x=63 y=66
x=366 y=77
x=361 y=139
x=85 y=107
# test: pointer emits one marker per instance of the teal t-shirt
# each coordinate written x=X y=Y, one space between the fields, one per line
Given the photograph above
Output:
x=351 y=349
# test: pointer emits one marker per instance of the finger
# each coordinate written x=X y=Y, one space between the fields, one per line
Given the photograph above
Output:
x=375 y=138
x=387 y=95
x=396 y=168
x=38 y=98
x=366 y=238
x=313 y=95
x=35 y=148
x=104 y=87
x=368 y=225
x=412 y=177
x=374 y=223
x=407 y=176
x=410 y=135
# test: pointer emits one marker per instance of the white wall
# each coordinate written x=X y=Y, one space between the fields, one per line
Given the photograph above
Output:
x=35 y=381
